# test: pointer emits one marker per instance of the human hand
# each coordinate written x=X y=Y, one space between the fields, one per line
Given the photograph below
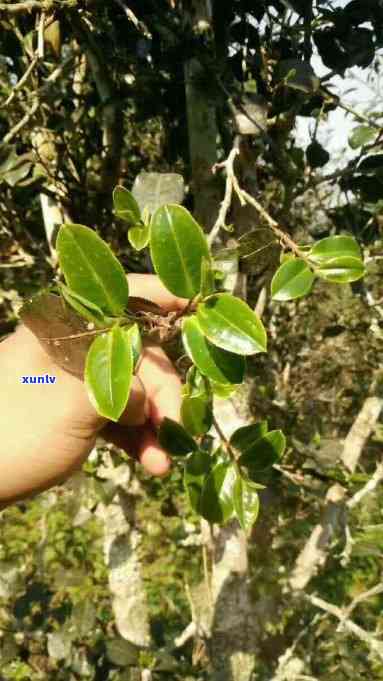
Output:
x=48 y=431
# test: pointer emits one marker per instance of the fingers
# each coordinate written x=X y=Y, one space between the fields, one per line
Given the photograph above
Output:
x=137 y=410
x=162 y=385
x=141 y=443
x=150 y=286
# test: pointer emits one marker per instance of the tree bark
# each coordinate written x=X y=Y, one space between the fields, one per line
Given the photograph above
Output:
x=201 y=117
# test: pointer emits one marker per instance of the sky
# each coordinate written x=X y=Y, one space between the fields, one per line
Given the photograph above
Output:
x=334 y=133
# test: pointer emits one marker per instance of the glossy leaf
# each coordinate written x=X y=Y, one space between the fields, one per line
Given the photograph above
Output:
x=218 y=365
x=134 y=337
x=229 y=323
x=174 y=439
x=293 y=279
x=263 y=453
x=139 y=237
x=177 y=247
x=246 y=503
x=108 y=373
x=334 y=247
x=196 y=415
x=341 y=270
x=84 y=307
x=246 y=436
x=361 y=135
x=126 y=206
x=217 y=494
x=90 y=268
x=197 y=466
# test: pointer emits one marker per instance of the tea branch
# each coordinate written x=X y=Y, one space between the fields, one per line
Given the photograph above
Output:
x=232 y=186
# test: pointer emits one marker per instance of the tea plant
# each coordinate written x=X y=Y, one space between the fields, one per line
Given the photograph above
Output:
x=92 y=327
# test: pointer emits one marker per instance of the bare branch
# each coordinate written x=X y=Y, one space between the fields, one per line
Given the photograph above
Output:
x=361 y=430
x=28 y=6
x=314 y=553
x=228 y=165
x=21 y=123
x=369 y=639
x=140 y=26
x=375 y=591
x=22 y=80
x=369 y=487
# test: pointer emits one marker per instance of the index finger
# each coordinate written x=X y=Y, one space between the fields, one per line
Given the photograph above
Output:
x=149 y=286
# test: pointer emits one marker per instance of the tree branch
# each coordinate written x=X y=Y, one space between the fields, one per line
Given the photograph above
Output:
x=28 y=6
x=369 y=639
x=314 y=553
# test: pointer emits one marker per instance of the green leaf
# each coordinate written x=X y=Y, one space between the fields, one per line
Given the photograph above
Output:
x=223 y=391
x=246 y=504
x=372 y=164
x=293 y=279
x=174 y=439
x=207 y=278
x=134 y=337
x=196 y=415
x=246 y=436
x=316 y=155
x=217 y=494
x=196 y=384
x=108 y=373
x=139 y=237
x=125 y=206
x=84 y=307
x=218 y=365
x=361 y=135
x=342 y=270
x=229 y=323
x=263 y=453
x=177 y=247
x=297 y=75
x=197 y=466
x=335 y=247
x=90 y=268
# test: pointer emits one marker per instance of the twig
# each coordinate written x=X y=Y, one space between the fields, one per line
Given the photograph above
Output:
x=314 y=553
x=369 y=639
x=374 y=591
x=40 y=36
x=75 y=336
x=28 y=115
x=22 y=80
x=224 y=440
x=140 y=26
x=273 y=224
x=23 y=121
x=228 y=165
x=28 y=6
x=369 y=487
x=360 y=431
x=281 y=673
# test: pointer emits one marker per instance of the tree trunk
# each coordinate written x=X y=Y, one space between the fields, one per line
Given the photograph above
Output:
x=201 y=117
